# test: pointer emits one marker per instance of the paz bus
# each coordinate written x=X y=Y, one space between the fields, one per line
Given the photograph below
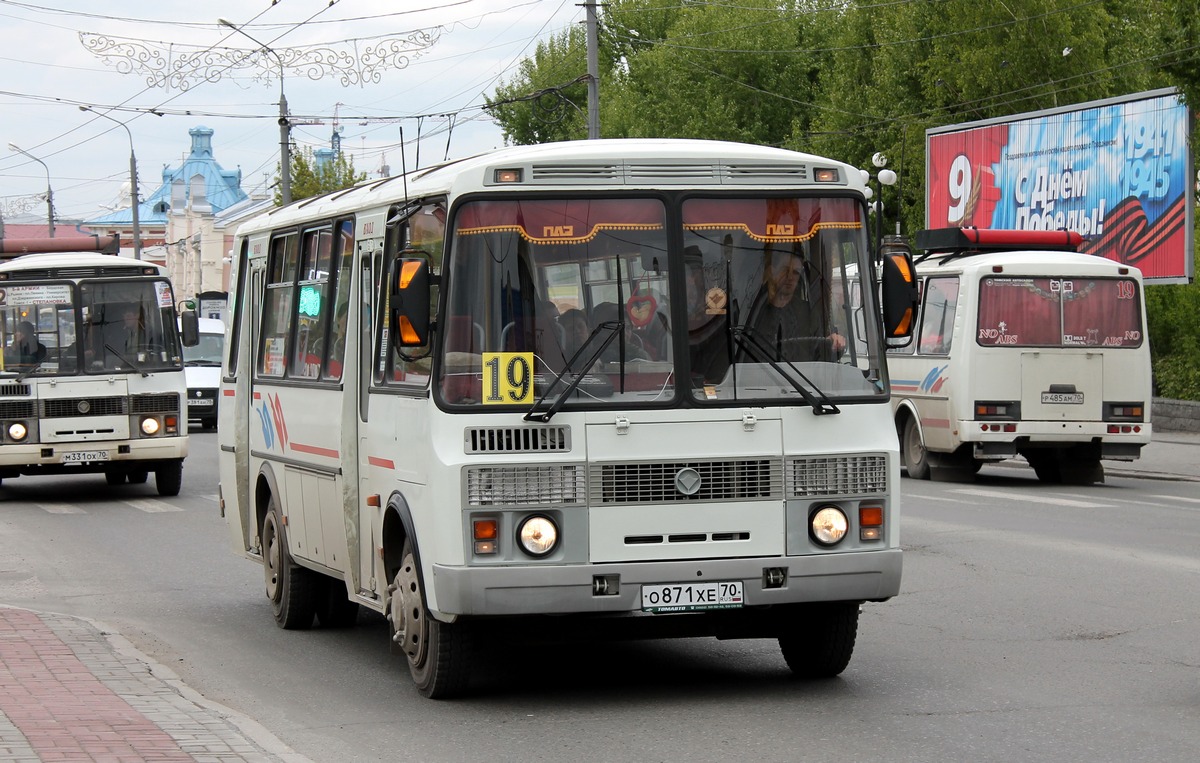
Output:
x=91 y=376
x=1023 y=348
x=521 y=390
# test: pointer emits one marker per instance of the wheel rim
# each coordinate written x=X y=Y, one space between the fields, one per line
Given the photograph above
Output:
x=272 y=557
x=408 y=613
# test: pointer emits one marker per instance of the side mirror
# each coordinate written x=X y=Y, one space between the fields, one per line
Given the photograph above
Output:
x=409 y=279
x=189 y=328
x=899 y=296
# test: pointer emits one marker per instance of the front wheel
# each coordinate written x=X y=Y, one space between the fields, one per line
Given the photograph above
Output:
x=916 y=458
x=291 y=588
x=820 y=645
x=168 y=478
x=438 y=654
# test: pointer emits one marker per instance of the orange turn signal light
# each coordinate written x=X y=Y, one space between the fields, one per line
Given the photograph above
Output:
x=485 y=529
x=870 y=516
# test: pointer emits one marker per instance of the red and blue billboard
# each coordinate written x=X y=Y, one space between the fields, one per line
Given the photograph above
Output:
x=1119 y=172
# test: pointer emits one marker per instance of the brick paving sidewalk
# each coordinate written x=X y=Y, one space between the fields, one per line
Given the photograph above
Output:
x=72 y=692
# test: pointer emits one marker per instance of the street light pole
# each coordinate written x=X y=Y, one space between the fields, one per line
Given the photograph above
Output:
x=133 y=183
x=285 y=152
x=49 y=191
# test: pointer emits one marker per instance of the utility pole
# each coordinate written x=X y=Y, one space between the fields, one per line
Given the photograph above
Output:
x=593 y=65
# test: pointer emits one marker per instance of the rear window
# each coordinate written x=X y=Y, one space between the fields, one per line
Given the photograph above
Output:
x=1059 y=312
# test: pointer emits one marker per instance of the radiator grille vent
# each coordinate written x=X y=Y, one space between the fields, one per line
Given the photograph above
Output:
x=837 y=475
x=18 y=409
x=553 y=485
x=162 y=403
x=84 y=406
x=518 y=440
x=742 y=480
x=14 y=390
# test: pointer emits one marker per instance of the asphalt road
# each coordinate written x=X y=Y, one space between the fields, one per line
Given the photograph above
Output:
x=1034 y=623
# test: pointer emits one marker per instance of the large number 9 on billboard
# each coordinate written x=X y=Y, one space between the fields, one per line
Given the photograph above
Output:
x=959 y=182
x=507 y=378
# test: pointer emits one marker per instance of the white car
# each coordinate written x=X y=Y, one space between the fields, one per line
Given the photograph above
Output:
x=202 y=368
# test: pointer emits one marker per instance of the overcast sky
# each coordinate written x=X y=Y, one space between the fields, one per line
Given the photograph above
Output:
x=60 y=54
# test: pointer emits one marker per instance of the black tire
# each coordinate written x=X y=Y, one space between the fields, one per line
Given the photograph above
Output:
x=820 y=644
x=114 y=478
x=439 y=654
x=139 y=477
x=334 y=610
x=292 y=589
x=912 y=449
x=1045 y=465
x=168 y=478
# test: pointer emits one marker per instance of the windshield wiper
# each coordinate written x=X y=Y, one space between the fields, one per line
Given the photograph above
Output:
x=23 y=375
x=749 y=340
x=613 y=328
x=128 y=362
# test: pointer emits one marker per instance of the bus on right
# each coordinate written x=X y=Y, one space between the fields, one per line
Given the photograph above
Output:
x=1024 y=348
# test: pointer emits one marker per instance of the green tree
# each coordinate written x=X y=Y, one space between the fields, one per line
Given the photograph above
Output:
x=316 y=178
x=546 y=100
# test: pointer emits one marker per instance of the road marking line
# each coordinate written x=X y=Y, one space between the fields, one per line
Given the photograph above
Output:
x=152 y=506
x=1035 y=499
x=60 y=508
x=1175 y=498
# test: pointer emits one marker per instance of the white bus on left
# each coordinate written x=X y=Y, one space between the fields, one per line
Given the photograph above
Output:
x=91 y=376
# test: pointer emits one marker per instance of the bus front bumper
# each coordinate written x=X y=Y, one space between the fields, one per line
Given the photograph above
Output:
x=616 y=588
x=84 y=457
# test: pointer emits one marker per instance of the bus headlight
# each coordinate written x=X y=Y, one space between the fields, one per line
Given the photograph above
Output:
x=17 y=431
x=829 y=525
x=150 y=426
x=537 y=535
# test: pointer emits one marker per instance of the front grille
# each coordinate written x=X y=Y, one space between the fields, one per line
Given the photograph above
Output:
x=160 y=403
x=18 y=409
x=552 y=485
x=836 y=475
x=518 y=439
x=654 y=482
x=67 y=407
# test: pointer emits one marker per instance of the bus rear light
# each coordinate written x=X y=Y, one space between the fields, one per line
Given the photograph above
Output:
x=997 y=409
x=1124 y=412
x=1123 y=429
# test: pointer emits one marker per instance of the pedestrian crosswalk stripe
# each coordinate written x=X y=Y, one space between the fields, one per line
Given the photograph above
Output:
x=60 y=508
x=152 y=506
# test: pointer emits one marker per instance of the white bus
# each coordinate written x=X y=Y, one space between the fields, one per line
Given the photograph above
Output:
x=523 y=388
x=91 y=376
x=1023 y=348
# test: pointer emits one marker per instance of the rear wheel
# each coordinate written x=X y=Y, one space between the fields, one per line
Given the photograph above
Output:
x=168 y=478
x=820 y=644
x=438 y=654
x=291 y=588
x=916 y=458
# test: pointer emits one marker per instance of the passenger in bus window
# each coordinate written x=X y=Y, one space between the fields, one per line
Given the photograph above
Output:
x=789 y=313
x=25 y=349
x=610 y=312
x=132 y=329
x=575 y=330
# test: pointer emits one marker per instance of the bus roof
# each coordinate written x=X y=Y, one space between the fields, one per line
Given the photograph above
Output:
x=658 y=163
x=102 y=264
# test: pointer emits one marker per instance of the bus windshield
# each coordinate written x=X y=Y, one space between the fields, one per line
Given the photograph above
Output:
x=54 y=328
x=590 y=298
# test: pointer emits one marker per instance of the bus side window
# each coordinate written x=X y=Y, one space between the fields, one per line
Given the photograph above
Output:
x=277 y=305
x=937 y=315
